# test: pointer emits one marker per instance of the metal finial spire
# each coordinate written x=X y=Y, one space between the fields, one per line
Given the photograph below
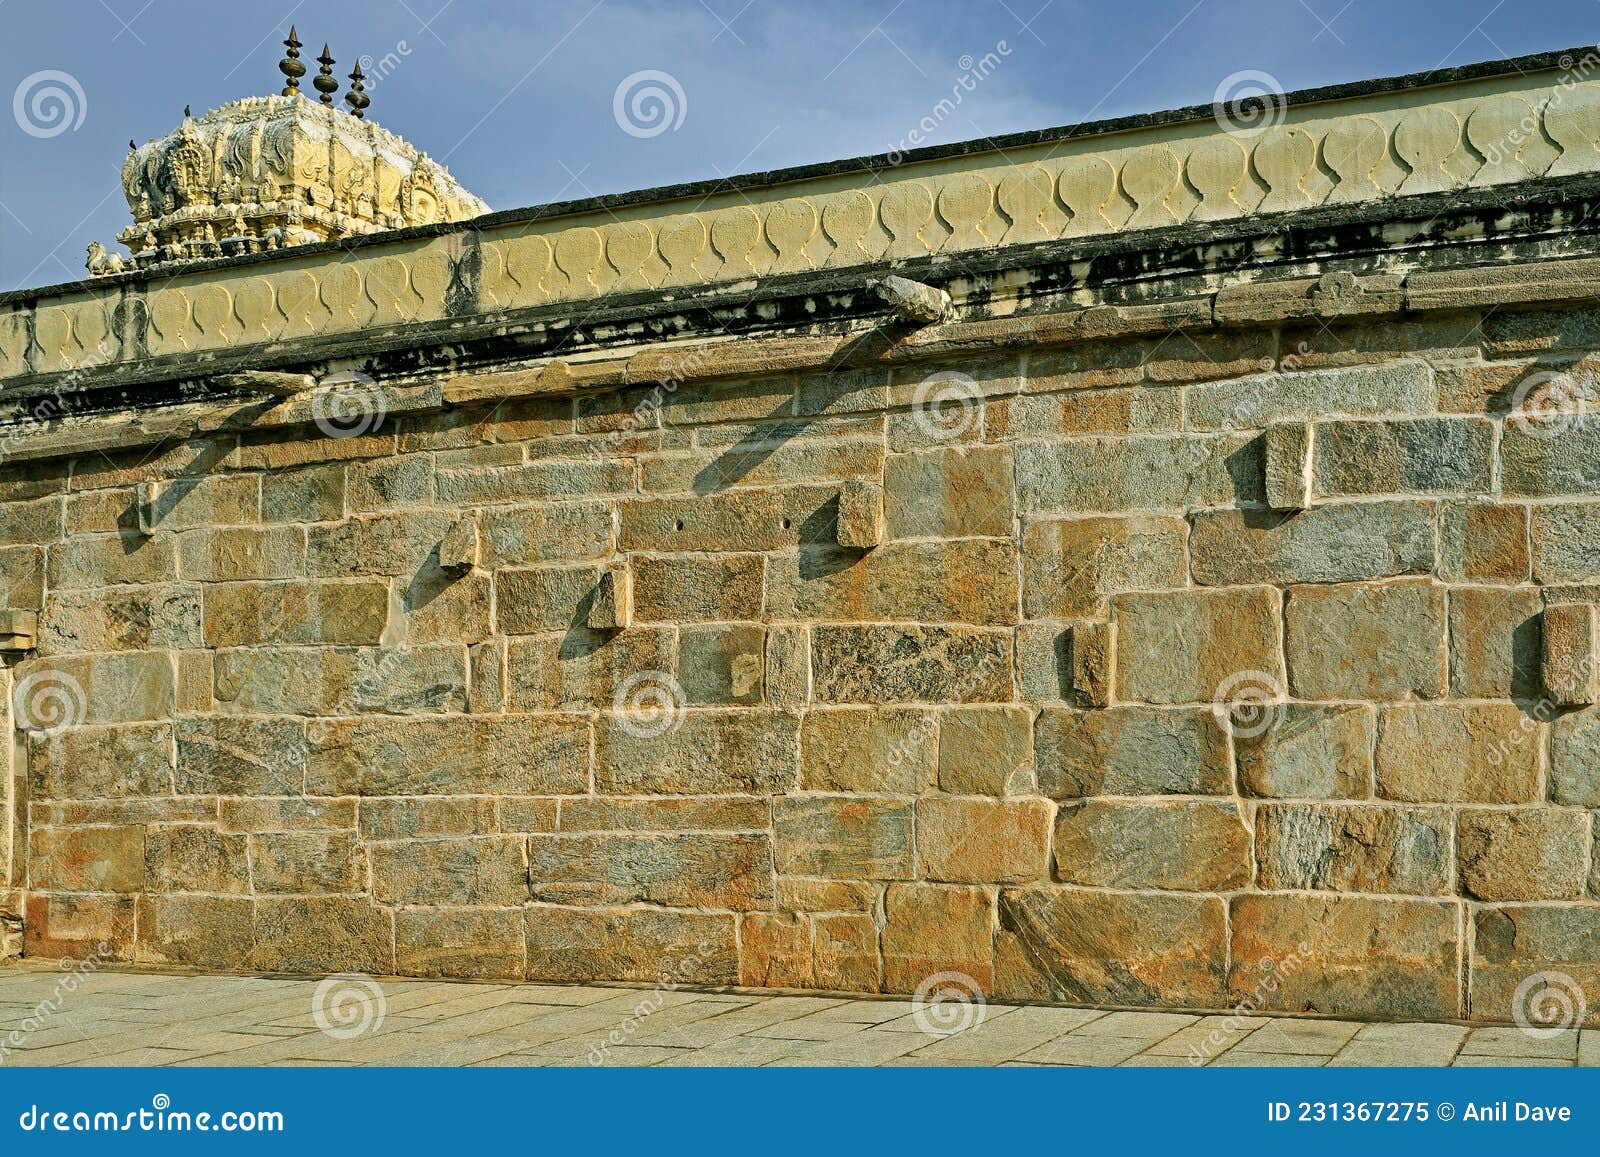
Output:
x=357 y=97
x=324 y=81
x=290 y=65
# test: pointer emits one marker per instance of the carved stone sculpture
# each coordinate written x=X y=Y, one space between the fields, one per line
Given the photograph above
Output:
x=273 y=171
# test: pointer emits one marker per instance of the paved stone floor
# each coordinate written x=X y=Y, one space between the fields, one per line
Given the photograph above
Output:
x=52 y=1017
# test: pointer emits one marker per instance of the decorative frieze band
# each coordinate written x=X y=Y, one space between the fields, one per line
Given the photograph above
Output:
x=1395 y=144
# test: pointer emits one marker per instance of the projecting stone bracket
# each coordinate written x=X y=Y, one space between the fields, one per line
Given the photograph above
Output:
x=272 y=382
x=1091 y=668
x=19 y=631
x=861 y=523
x=460 y=547
x=611 y=607
x=912 y=301
x=1567 y=662
x=147 y=503
x=1287 y=458
x=10 y=936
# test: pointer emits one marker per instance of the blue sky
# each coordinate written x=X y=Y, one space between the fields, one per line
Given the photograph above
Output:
x=517 y=98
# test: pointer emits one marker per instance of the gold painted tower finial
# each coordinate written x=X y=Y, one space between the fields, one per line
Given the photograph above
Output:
x=290 y=65
x=324 y=81
x=357 y=97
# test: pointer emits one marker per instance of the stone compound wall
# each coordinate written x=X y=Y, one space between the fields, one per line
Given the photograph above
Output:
x=1079 y=715
x=1200 y=611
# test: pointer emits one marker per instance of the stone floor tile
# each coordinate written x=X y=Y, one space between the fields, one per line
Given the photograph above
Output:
x=738 y=1050
x=498 y=1019
x=652 y=1024
x=996 y=1040
x=1478 y=1060
x=1157 y=1060
x=630 y=1056
x=697 y=1035
x=454 y=1052
x=1238 y=1058
x=66 y=1053
x=866 y=1011
x=1414 y=1033
x=305 y=1064
x=268 y=1030
x=1377 y=1055
x=572 y=1021
x=179 y=1036
x=770 y=1009
x=1589 y=1047
x=515 y=1061
x=563 y=994
x=42 y=1038
x=913 y=1062
x=806 y=1029
x=865 y=1048
x=1514 y=1042
x=913 y=1022
x=1317 y=1037
x=1062 y=1020
x=1148 y=1025
x=138 y=1058
x=1210 y=1036
x=1080 y=1049
x=270 y=1051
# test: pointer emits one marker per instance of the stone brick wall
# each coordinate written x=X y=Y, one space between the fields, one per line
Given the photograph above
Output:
x=1186 y=669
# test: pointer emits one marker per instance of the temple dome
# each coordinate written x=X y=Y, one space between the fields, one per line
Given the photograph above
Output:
x=269 y=172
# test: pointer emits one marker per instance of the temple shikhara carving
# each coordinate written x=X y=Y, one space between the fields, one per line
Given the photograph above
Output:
x=1151 y=563
x=269 y=172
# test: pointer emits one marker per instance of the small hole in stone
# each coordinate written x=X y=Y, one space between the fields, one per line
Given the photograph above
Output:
x=787 y=524
x=680 y=524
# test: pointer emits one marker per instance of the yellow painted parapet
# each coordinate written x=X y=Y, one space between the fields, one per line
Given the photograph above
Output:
x=1387 y=144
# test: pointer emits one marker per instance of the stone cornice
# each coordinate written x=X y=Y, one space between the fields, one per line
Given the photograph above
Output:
x=1330 y=298
x=1365 y=146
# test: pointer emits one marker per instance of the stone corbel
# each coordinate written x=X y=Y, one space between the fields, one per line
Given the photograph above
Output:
x=460 y=548
x=10 y=935
x=611 y=608
x=861 y=521
x=1092 y=666
x=19 y=631
x=270 y=382
x=912 y=301
x=1567 y=662
x=1287 y=455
